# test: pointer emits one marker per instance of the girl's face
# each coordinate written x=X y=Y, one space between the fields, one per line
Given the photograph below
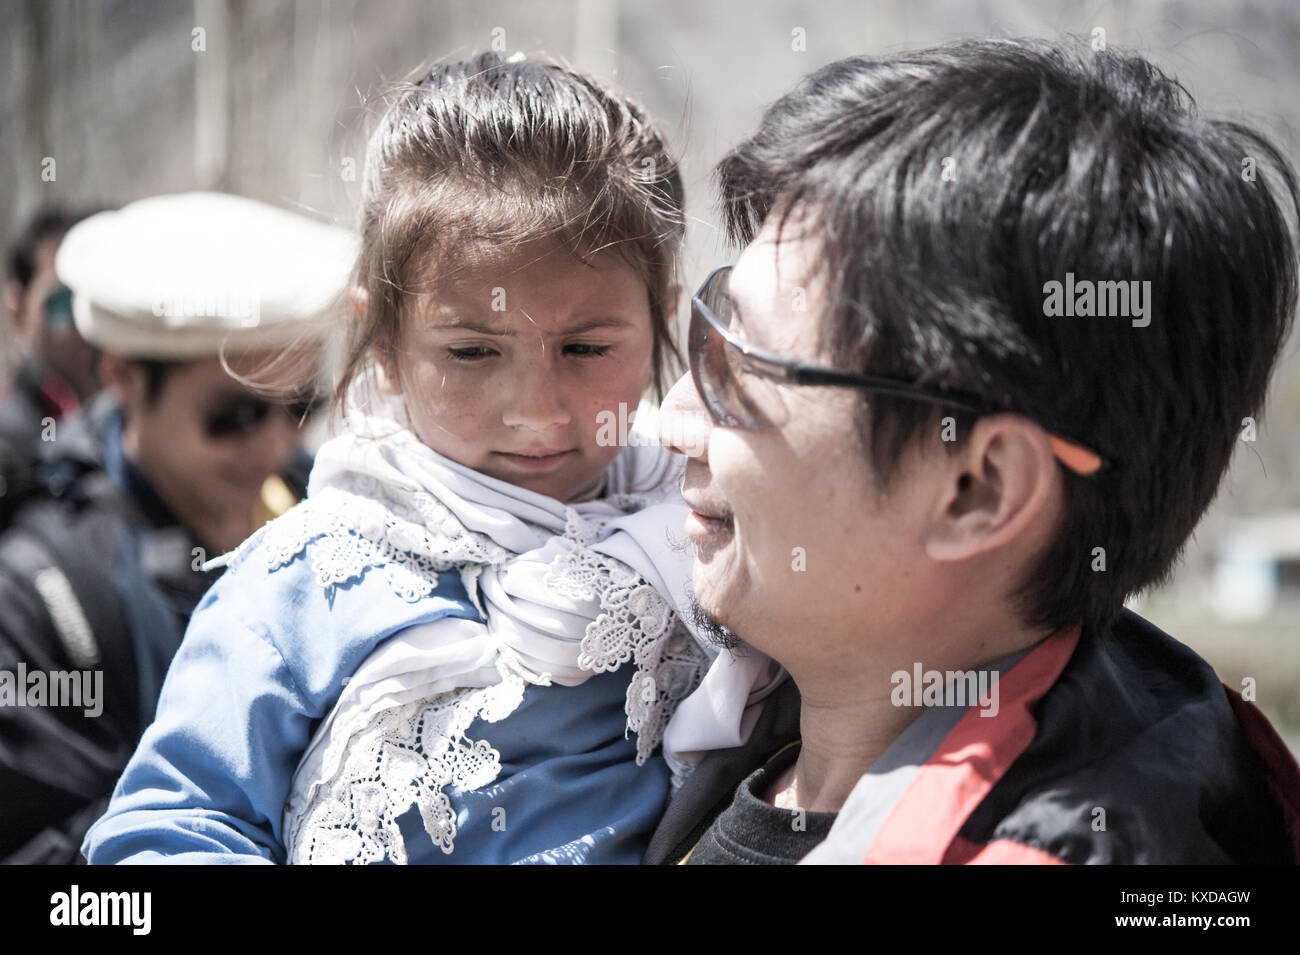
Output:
x=507 y=368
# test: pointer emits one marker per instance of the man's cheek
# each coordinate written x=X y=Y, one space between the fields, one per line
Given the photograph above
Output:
x=774 y=544
x=763 y=556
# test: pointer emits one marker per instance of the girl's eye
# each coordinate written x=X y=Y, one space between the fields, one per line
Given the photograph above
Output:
x=470 y=354
x=588 y=351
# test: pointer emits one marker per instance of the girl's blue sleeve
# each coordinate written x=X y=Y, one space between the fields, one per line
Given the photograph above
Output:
x=209 y=780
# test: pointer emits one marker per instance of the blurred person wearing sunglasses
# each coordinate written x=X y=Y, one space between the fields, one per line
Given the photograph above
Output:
x=210 y=311
x=928 y=497
x=56 y=368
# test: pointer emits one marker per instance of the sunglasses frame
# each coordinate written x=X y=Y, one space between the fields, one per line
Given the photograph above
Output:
x=298 y=410
x=1077 y=457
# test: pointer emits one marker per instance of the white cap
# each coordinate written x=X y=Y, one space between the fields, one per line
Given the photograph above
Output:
x=187 y=276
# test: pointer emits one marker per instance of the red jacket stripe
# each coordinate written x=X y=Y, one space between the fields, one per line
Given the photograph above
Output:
x=1279 y=765
x=967 y=764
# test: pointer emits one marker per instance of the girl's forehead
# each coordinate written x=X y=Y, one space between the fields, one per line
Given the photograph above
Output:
x=503 y=281
x=478 y=260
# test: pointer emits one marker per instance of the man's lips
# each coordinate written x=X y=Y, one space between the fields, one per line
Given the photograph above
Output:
x=706 y=520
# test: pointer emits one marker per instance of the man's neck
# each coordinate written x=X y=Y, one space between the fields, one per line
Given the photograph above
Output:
x=849 y=719
x=839 y=743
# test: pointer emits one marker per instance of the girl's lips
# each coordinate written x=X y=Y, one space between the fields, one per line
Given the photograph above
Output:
x=535 y=462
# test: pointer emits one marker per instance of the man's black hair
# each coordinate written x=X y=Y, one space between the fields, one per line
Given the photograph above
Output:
x=52 y=222
x=951 y=185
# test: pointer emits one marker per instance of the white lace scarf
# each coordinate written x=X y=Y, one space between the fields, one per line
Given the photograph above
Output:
x=567 y=591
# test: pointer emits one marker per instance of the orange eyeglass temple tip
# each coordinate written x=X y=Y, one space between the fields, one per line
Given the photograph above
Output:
x=1077 y=459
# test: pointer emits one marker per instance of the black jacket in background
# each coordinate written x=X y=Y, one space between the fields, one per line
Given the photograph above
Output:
x=97 y=545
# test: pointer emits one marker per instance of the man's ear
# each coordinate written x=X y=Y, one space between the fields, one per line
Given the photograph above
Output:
x=14 y=301
x=126 y=379
x=1002 y=485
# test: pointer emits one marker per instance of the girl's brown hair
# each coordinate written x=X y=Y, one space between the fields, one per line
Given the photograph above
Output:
x=491 y=152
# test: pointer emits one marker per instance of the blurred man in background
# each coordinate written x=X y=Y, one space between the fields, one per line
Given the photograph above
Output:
x=56 y=368
x=209 y=310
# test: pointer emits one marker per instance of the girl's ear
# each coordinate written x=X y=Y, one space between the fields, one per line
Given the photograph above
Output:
x=386 y=374
x=671 y=302
x=358 y=298
x=385 y=371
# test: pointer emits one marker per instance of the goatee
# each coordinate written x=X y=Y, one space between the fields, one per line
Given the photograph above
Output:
x=712 y=629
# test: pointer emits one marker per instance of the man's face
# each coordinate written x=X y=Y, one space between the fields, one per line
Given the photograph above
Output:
x=46 y=330
x=507 y=369
x=795 y=546
x=201 y=446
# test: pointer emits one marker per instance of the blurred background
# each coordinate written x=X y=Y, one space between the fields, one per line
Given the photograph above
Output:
x=107 y=101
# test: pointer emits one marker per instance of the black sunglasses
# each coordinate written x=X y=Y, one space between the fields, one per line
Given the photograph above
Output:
x=736 y=380
x=241 y=415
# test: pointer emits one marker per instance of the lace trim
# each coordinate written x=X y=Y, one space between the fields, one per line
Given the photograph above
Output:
x=409 y=754
x=637 y=624
x=406 y=755
x=409 y=539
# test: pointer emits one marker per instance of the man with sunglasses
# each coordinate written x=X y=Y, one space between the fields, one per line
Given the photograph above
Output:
x=56 y=367
x=928 y=497
x=209 y=311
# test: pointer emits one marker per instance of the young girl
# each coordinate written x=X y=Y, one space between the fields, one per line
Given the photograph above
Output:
x=437 y=656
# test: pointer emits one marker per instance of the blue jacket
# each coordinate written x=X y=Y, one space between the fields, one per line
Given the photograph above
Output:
x=264 y=660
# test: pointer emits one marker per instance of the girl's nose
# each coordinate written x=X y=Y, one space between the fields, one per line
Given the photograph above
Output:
x=536 y=402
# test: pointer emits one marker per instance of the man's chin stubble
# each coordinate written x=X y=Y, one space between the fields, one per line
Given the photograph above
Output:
x=712 y=629
x=702 y=622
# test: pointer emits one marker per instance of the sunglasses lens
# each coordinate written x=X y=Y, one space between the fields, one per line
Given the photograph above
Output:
x=707 y=370
x=244 y=414
x=58 y=308
x=235 y=418
x=734 y=396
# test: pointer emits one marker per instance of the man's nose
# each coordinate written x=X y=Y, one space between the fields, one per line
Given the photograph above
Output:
x=536 y=402
x=684 y=427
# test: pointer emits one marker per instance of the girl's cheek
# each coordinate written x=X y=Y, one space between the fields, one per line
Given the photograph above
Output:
x=451 y=400
x=450 y=380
